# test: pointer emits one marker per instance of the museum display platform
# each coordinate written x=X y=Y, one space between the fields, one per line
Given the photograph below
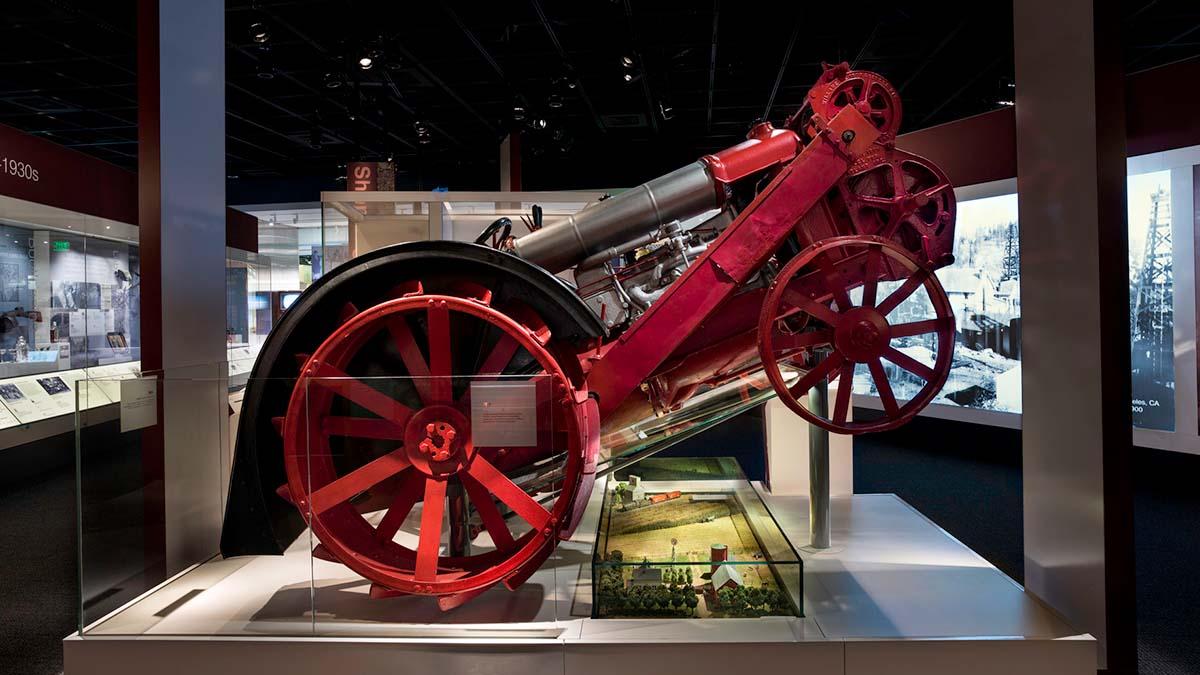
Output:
x=895 y=592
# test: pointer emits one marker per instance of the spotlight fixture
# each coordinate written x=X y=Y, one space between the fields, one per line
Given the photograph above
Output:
x=314 y=138
x=627 y=61
x=518 y=112
x=554 y=101
x=538 y=123
x=558 y=134
x=259 y=32
x=666 y=110
x=264 y=72
x=628 y=77
x=420 y=127
x=1006 y=102
x=332 y=80
x=424 y=138
x=366 y=61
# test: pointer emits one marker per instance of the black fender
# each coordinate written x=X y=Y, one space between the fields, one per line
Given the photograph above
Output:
x=257 y=521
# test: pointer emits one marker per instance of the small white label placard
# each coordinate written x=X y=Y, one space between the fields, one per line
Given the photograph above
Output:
x=139 y=404
x=504 y=414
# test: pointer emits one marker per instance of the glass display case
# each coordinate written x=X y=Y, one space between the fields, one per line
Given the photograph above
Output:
x=260 y=286
x=70 y=309
x=354 y=223
x=690 y=538
x=249 y=304
x=67 y=300
x=344 y=425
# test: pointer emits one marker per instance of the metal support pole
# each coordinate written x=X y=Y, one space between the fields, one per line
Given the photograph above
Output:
x=460 y=521
x=818 y=467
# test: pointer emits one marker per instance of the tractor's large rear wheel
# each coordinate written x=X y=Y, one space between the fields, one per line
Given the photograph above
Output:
x=379 y=428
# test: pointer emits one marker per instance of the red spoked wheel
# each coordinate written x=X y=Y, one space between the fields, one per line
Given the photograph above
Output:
x=903 y=197
x=363 y=450
x=809 y=308
x=869 y=93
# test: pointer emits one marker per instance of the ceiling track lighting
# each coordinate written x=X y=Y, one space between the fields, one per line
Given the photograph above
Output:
x=259 y=32
x=627 y=61
x=518 y=112
x=366 y=61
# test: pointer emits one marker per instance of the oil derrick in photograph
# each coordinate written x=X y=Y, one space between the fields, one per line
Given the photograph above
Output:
x=1152 y=315
x=1011 y=266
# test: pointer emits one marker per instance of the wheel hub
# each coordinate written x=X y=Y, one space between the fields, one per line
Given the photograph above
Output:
x=862 y=334
x=438 y=440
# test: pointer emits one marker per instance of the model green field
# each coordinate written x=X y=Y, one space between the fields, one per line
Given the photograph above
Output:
x=676 y=537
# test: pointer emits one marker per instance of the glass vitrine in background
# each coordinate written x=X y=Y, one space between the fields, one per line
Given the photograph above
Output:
x=67 y=300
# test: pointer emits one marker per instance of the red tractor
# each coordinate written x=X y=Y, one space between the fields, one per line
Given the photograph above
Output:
x=769 y=267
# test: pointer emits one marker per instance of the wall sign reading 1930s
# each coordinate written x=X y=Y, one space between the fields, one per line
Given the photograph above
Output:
x=19 y=169
x=35 y=169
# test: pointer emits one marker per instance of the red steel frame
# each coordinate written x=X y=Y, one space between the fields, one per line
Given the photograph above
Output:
x=737 y=254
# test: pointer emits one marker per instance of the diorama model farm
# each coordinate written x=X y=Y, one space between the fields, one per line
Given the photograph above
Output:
x=683 y=554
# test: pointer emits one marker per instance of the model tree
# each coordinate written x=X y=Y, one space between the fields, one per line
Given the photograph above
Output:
x=688 y=575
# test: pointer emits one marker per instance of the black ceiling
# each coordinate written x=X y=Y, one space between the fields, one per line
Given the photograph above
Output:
x=456 y=69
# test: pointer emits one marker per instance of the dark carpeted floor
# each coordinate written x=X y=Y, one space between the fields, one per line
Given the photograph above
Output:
x=40 y=577
x=967 y=479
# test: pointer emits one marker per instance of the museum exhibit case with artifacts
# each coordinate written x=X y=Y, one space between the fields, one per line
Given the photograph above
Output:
x=449 y=447
x=696 y=541
x=69 y=310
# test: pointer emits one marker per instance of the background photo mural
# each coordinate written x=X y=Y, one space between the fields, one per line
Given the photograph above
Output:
x=984 y=286
x=1151 y=301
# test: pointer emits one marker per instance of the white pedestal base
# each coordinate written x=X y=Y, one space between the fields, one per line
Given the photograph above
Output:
x=787 y=452
x=896 y=594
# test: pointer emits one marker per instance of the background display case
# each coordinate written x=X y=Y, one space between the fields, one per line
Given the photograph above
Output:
x=354 y=223
x=691 y=538
x=70 y=309
x=67 y=300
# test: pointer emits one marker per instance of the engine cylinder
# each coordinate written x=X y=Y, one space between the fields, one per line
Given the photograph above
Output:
x=679 y=195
